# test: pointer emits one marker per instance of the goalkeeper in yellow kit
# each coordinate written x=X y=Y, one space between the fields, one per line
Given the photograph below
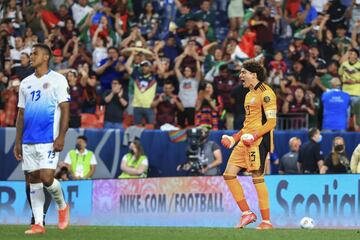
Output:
x=252 y=143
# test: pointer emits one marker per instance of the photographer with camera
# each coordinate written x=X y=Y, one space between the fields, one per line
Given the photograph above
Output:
x=167 y=104
x=203 y=156
x=336 y=162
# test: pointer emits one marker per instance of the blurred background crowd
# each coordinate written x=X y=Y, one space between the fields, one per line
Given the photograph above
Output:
x=174 y=63
x=156 y=62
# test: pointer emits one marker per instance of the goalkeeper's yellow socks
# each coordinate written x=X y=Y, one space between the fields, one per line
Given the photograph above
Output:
x=263 y=197
x=237 y=192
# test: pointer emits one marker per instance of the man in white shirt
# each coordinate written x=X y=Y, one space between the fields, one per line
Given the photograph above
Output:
x=41 y=126
x=15 y=53
x=81 y=161
x=79 y=10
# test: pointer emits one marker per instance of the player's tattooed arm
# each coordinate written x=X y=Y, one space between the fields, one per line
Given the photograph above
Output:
x=64 y=124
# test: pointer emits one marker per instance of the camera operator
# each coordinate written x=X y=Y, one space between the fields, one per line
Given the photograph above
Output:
x=203 y=156
x=336 y=162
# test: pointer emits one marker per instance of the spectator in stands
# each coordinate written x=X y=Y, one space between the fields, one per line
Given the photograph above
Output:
x=166 y=74
x=224 y=84
x=15 y=53
x=56 y=38
x=99 y=44
x=288 y=162
x=76 y=99
x=135 y=163
x=336 y=11
x=209 y=155
x=355 y=160
x=336 y=162
x=116 y=100
x=356 y=112
x=79 y=10
x=167 y=105
x=3 y=84
x=185 y=13
x=335 y=105
x=69 y=30
x=25 y=69
x=327 y=45
x=350 y=75
x=149 y=21
x=213 y=61
x=310 y=159
x=10 y=98
x=277 y=69
x=298 y=103
x=144 y=88
x=323 y=83
x=58 y=63
x=316 y=64
x=81 y=161
x=30 y=39
x=235 y=14
x=109 y=68
x=188 y=89
x=89 y=95
x=342 y=42
x=237 y=99
x=208 y=107
x=263 y=23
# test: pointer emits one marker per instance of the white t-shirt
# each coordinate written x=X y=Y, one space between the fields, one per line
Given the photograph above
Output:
x=188 y=90
x=40 y=99
x=79 y=12
x=16 y=54
x=98 y=55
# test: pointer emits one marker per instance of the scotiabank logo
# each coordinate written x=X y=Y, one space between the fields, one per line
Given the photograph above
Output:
x=329 y=200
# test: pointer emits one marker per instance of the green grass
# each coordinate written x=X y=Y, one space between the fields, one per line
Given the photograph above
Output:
x=10 y=232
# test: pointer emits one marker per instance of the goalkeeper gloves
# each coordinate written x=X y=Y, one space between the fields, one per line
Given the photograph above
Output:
x=230 y=141
x=248 y=139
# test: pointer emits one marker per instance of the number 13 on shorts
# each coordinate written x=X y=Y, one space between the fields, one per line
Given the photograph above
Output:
x=253 y=158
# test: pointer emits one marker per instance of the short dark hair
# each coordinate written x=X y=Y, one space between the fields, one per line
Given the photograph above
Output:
x=83 y=138
x=257 y=68
x=168 y=82
x=109 y=48
x=312 y=132
x=45 y=48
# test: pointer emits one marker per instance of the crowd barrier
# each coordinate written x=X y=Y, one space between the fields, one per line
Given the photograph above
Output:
x=163 y=154
x=333 y=201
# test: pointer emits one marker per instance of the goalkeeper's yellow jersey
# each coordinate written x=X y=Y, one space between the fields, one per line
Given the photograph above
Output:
x=260 y=104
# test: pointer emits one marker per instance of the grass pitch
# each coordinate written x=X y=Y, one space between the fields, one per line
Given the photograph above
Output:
x=14 y=232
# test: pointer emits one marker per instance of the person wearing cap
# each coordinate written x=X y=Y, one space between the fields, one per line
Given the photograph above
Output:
x=350 y=76
x=58 y=63
x=145 y=84
x=335 y=105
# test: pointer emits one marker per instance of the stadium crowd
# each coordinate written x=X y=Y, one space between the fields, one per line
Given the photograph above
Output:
x=136 y=62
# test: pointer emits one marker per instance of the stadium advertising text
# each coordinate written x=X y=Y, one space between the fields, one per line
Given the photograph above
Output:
x=331 y=200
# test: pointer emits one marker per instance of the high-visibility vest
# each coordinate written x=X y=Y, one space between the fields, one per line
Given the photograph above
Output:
x=80 y=161
x=131 y=162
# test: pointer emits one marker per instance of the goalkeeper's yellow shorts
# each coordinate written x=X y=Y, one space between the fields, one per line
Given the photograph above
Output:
x=250 y=158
